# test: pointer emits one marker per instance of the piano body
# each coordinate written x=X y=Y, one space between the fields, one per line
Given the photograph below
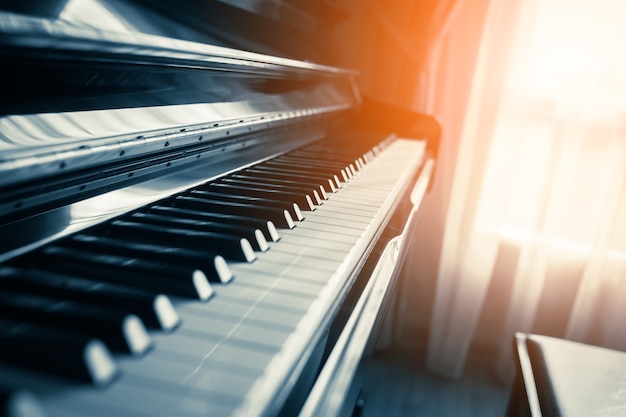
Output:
x=188 y=228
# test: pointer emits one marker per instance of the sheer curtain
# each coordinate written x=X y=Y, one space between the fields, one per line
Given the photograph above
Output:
x=535 y=232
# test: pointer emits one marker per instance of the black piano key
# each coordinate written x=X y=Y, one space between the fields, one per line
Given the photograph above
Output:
x=313 y=158
x=301 y=199
x=347 y=148
x=313 y=162
x=280 y=217
x=19 y=403
x=318 y=194
x=128 y=271
x=302 y=178
x=155 y=310
x=228 y=246
x=339 y=174
x=343 y=172
x=266 y=226
x=347 y=159
x=269 y=185
x=254 y=236
x=123 y=332
x=213 y=266
x=235 y=196
x=321 y=155
x=50 y=350
x=332 y=179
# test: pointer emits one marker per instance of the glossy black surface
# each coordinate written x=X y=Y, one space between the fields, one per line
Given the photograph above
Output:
x=104 y=94
x=120 y=112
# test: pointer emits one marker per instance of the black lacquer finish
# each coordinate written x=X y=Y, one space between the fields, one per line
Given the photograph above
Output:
x=182 y=214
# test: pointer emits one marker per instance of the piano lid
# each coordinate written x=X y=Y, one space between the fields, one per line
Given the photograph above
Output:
x=111 y=84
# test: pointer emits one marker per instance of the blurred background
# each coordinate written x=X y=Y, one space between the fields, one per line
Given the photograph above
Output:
x=525 y=227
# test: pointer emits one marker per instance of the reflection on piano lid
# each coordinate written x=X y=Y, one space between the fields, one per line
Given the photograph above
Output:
x=183 y=225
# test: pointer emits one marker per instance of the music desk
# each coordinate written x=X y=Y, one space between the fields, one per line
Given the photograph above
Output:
x=562 y=378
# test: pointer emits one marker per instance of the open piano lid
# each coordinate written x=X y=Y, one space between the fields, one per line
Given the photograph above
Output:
x=99 y=95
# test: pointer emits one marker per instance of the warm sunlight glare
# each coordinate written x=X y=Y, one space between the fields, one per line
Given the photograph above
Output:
x=576 y=41
x=556 y=170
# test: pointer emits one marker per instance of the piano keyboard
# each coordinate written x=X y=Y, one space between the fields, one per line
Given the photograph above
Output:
x=202 y=304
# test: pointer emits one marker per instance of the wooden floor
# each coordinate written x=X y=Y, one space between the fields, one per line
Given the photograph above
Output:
x=398 y=385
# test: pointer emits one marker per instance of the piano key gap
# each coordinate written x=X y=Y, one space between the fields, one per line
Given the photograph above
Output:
x=122 y=153
x=200 y=138
x=62 y=165
x=166 y=144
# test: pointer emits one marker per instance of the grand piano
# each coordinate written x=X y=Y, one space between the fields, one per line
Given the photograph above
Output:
x=195 y=218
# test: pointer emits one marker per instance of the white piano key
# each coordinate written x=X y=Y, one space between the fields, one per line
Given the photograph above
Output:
x=280 y=319
x=280 y=260
x=244 y=295
x=373 y=187
x=270 y=321
x=371 y=202
x=204 y=319
x=268 y=316
x=186 y=372
x=352 y=207
x=277 y=300
x=330 y=232
x=297 y=306
x=185 y=345
x=264 y=328
x=72 y=408
x=135 y=396
x=332 y=245
x=216 y=306
x=302 y=281
x=241 y=355
x=293 y=272
x=252 y=334
x=280 y=284
x=330 y=221
x=313 y=252
x=357 y=211
x=206 y=378
x=198 y=325
x=322 y=223
x=161 y=365
x=193 y=407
